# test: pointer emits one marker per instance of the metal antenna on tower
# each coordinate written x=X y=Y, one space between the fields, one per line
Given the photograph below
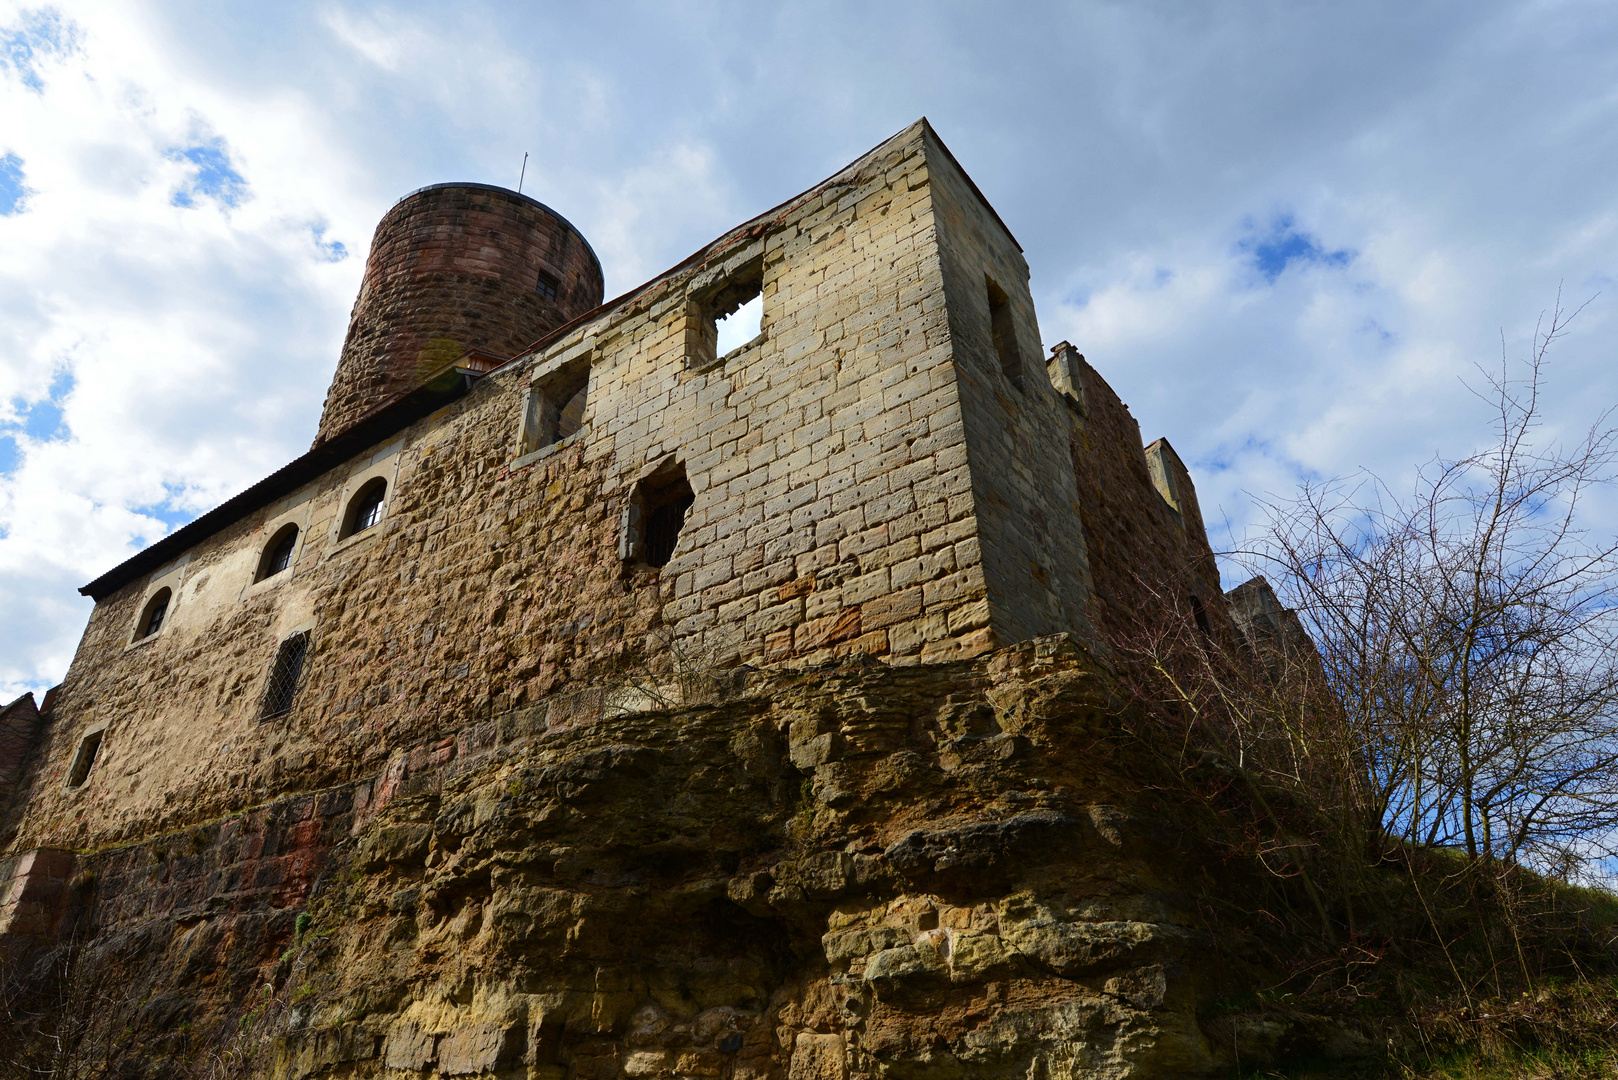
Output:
x=523 y=173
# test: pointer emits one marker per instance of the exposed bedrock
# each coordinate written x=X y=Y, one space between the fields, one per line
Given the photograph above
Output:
x=937 y=871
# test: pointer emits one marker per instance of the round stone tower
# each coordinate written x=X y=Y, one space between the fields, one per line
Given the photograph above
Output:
x=455 y=267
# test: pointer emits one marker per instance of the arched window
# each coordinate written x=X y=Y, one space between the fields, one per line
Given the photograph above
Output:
x=278 y=552
x=151 y=618
x=365 y=509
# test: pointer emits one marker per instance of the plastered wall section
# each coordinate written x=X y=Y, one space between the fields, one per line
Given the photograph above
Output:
x=1035 y=564
x=833 y=513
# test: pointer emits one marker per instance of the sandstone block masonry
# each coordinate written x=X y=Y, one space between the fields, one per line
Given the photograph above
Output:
x=614 y=519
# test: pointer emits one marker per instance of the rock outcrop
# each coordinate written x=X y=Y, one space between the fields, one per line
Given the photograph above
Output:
x=935 y=871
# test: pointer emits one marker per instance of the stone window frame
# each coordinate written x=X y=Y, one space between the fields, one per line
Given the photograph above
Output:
x=383 y=465
x=715 y=294
x=552 y=385
x=667 y=474
x=97 y=732
x=170 y=578
x=299 y=516
x=307 y=630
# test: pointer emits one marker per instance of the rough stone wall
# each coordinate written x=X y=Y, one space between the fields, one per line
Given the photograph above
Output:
x=833 y=508
x=455 y=267
x=1035 y=564
x=1142 y=553
x=19 y=727
x=863 y=871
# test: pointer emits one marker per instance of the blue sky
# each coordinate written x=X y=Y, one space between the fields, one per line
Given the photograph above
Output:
x=1284 y=232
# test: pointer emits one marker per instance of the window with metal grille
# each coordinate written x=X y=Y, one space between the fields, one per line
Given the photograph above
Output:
x=546 y=286
x=365 y=510
x=278 y=553
x=282 y=686
x=151 y=620
x=652 y=519
x=663 y=528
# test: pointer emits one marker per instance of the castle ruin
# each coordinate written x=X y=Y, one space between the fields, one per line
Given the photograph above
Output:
x=530 y=515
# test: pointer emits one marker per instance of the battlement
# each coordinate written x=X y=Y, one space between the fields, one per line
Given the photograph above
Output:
x=620 y=513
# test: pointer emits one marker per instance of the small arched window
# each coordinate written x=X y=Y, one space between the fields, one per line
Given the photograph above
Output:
x=278 y=552
x=152 y=616
x=365 y=509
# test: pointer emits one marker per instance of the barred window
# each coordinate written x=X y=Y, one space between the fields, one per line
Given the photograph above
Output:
x=546 y=286
x=282 y=686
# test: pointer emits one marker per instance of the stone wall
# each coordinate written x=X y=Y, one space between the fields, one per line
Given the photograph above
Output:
x=833 y=512
x=1035 y=563
x=1145 y=555
x=926 y=871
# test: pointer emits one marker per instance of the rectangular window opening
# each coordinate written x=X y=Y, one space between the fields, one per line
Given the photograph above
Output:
x=740 y=326
x=1004 y=330
x=725 y=318
x=554 y=410
x=282 y=685
x=546 y=286
x=84 y=759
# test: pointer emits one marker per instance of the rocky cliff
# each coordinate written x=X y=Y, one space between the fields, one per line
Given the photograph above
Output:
x=933 y=871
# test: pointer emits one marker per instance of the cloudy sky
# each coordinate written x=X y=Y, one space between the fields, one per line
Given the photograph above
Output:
x=1285 y=232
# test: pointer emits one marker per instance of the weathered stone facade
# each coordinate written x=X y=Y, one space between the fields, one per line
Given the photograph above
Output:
x=889 y=473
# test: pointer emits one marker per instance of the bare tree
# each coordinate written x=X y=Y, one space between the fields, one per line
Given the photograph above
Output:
x=1471 y=635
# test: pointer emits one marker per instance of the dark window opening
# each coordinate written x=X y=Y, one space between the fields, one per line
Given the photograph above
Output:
x=1004 y=330
x=151 y=620
x=654 y=518
x=663 y=528
x=546 y=286
x=365 y=509
x=278 y=553
x=282 y=686
x=84 y=759
x=554 y=411
x=1200 y=614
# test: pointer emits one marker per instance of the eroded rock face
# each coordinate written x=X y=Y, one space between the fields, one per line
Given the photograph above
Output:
x=928 y=872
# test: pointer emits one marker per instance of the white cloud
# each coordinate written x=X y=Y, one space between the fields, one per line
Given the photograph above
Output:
x=1143 y=153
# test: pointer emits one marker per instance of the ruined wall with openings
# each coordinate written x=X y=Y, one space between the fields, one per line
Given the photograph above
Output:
x=831 y=512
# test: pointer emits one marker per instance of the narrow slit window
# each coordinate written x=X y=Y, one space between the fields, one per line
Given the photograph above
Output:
x=84 y=759
x=1004 y=330
x=282 y=686
x=1200 y=614
x=278 y=553
x=365 y=508
x=151 y=618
